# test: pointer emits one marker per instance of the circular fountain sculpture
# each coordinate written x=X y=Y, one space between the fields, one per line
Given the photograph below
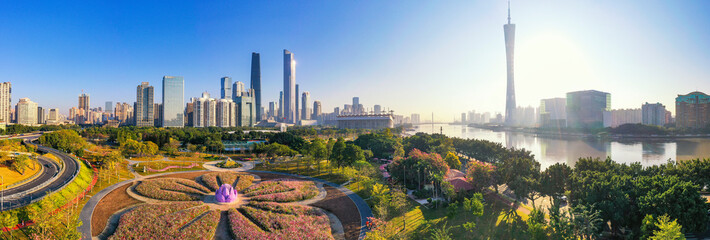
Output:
x=226 y=194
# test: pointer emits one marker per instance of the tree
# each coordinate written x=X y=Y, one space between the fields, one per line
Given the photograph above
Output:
x=586 y=221
x=648 y=226
x=150 y=148
x=522 y=175
x=536 y=225
x=452 y=160
x=351 y=154
x=336 y=153
x=667 y=230
x=474 y=207
x=20 y=163
x=481 y=175
x=443 y=233
x=555 y=180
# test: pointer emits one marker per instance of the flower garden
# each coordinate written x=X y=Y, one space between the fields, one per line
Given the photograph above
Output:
x=262 y=215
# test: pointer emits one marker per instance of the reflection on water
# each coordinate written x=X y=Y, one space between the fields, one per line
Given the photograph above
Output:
x=551 y=150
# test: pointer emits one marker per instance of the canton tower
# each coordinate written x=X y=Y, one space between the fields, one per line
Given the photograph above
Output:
x=509 y=30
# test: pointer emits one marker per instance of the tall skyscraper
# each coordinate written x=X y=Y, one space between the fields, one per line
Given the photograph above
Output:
x=158 y=114
x=53 y=116
x=226 y=90
x=281 y=115
x=144 y=105
x=289 y=93
x=84 y=102
x=108 y=107
x=173 y=99
x=256 y=83
x=298 y=108
x=585 y=109
x=26 y=111
x=305 y=99
x=246 y=112
x=317 y=108
x=237 y=89
x=272 y=110
x=553 y=113
x=509 y=30
x=5 y=102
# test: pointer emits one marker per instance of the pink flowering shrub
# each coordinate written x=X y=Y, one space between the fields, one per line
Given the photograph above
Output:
x=254 y=223
x=286 y=191
x=239 y=181
x=172 y=189
x=167 y=221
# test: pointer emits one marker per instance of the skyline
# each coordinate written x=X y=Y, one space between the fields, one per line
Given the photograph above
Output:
x=648 y=52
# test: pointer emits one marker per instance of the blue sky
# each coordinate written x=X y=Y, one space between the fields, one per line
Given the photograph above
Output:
x=444 y=57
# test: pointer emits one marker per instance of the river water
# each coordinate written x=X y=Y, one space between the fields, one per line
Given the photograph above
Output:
x=549 y=151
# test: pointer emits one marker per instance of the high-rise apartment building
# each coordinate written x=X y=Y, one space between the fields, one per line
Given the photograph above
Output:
x=190 y=112
x=205 y=111
x=305 y=99
x=653 y=114
x=585 y=109
x=463 y=118
x=618 y=117
x=226 y=88
x=256 y=83
x=317 y=109
x=41 y=115
x=289 y=92
x=173 y=99
x=692 y=110
x=510 y=105
x=5 y=102
x=378 y=109
x=26 y=112
x=53 y=116
x=144 y=106
x=415 y=118
x=225 y=113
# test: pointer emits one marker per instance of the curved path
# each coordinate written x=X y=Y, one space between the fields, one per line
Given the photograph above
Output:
x=88 y=210
x=39 y=187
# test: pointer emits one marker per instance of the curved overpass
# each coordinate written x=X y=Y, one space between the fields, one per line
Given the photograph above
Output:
x=53 y=178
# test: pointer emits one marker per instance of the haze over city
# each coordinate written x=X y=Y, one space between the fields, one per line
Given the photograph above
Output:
x=412 y=57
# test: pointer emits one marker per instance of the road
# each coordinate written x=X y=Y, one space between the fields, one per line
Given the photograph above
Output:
x=71 y=167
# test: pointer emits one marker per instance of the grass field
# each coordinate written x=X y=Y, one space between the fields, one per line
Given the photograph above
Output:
x=147 y=158
x=497 y=222
x=11 y=176
x=306 y=168
x=204 y=157
x=157 y=165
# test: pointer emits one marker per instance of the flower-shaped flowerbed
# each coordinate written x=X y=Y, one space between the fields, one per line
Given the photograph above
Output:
x=181 y=209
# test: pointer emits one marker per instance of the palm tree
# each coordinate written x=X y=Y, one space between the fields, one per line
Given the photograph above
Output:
x=441 y=234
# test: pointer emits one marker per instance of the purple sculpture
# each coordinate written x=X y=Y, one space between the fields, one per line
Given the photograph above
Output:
x=226 y=194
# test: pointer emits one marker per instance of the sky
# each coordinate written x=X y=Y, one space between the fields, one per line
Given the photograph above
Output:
x=410 y=56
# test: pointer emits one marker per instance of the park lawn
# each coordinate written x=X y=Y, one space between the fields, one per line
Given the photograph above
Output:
x=305 y=168
x=497 y=222
x=157 y=165
x=11 y=176
x=196 y=157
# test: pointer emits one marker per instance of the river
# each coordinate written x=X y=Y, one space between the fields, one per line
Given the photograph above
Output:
x=549 y=151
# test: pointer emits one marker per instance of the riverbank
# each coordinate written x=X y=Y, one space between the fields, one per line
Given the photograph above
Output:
x=564 y=134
